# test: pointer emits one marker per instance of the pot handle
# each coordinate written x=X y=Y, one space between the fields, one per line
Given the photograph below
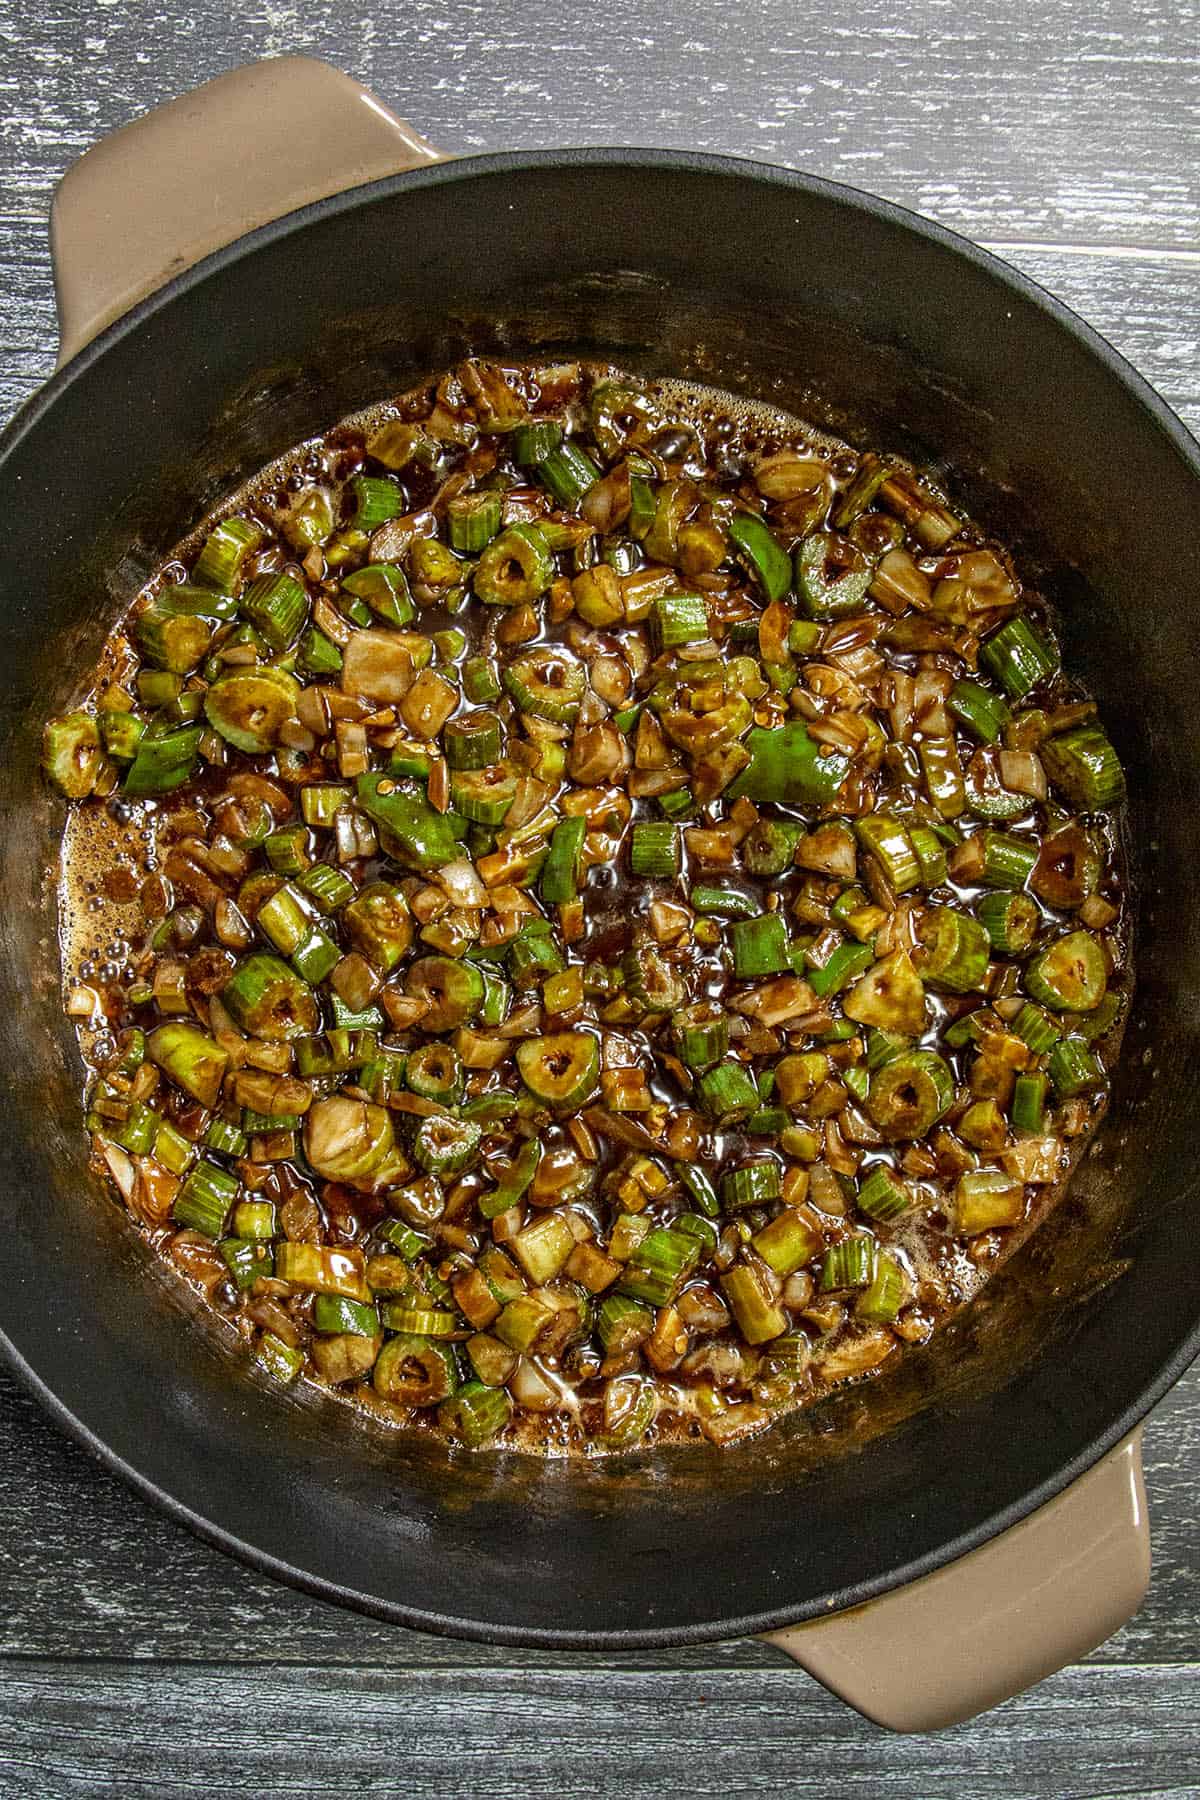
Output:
x=998 y=1620
x=191 y=176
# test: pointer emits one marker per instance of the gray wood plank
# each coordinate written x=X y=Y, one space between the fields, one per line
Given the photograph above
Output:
x=1066 y=122
x=317 y=1732
x=88 y=1569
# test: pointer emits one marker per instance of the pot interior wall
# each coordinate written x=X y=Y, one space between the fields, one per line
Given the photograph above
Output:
x=787 y=292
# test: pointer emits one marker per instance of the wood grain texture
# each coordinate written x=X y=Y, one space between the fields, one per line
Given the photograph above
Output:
x=1064 y=136
x=325 y=1733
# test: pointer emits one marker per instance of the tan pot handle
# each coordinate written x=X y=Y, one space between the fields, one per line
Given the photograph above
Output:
x=1040 y=1596
x=193 y=175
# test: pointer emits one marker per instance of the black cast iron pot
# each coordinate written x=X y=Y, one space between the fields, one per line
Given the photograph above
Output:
x=773 y=284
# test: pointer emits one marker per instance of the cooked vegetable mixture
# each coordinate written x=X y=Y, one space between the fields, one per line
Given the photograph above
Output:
x=593 y=912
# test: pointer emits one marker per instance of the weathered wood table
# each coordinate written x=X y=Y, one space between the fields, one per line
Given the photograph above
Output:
x=134 y=1660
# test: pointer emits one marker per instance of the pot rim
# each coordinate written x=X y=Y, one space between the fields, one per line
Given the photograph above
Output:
x=1113 y=364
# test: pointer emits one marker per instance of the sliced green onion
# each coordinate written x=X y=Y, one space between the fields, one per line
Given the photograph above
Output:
x=203 y=1202
x=1010 y=920
x=887 y=840
x=751 y=1185
x=559 y=879
x=1018 y=656
x=277 y=607
x=983 y=713
x=375 y=501
x=760 y=946
x=727 y=1093
x=472 y=741
x=653 y=850
x=1083 y=766
x=883 y=1196
x=1069 y=975
x=849 y=1264
x=1073 y=1068
x=568 y=472
x=910 y=1093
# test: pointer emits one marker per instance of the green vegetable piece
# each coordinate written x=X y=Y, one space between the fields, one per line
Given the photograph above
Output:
x=475 y=1413
x=727 y=1093
x=788 y=766
x=190 y=1058
x=754 y=1184
x=516 y=568
x=909 y=1094
x=1018 y=656
x=954 y=950
x=71 y=755
x=659 y=1264
x=568 y=472
x=760 y=946
x=385 y=590
x=445 y=1146
x=560 y=873
x=472 y=741
x=269 y=1000
x=561 y=1070
x=679 y=619
x=452 y=990
x=883 y=1196
x=832 y=576
x=1084 y=767
x=277 y=607
x=226 y=548
x=546 y=682
x=378 y=923
x=701 y=1034
x=203 y=1202
x=983 y=713
x=250 y=706
x=375 y=500
x=654 y=850
x=1069 y=975
x=761 y=550
x=411 y=831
